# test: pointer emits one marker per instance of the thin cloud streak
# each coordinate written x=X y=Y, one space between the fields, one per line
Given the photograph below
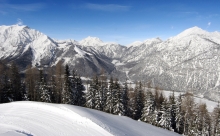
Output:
x=3 y=12
x=26 y=7
x=107 y=7
x=19 y=22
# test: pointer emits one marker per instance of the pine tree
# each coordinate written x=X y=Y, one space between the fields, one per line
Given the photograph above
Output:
x=139 y=98
x=91 y=94
x=202 y=121
x=80 y=95
x=98 y=103
x=43 y=91
x=110 y=97
x=125 y=99
x=179 y=115
x=66 y=91
x=118 y=103
x=15 y=81
x=165 y=121
x=103 y=89
x=148 y=112
x=172 y=112
x=7 y=93
x=188 y=107
x=216 y=120
x=52 y=88
x=73 y=83
x=59 y=82
x=30 y=83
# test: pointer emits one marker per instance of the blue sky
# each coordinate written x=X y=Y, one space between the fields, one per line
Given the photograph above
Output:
x=121 y=21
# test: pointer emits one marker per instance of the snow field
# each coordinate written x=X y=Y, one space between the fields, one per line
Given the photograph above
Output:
x=44 y=119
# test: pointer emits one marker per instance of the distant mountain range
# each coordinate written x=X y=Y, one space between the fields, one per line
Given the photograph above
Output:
x=186 y=62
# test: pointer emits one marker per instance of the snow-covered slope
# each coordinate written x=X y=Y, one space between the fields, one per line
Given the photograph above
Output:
x=44 y=119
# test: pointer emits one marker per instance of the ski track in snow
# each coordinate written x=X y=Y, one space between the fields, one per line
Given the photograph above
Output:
x=44 y=119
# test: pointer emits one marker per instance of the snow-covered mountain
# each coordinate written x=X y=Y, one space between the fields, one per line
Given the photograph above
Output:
x=28 y=46
x=186 y=62
x=45 y=119
x=91 y=41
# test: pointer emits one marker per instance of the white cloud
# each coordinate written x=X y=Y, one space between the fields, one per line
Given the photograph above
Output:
x=107 y=7
x=19 y=22
x=209 y=24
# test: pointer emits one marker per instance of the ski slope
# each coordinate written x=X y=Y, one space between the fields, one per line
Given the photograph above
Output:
x=44 y=119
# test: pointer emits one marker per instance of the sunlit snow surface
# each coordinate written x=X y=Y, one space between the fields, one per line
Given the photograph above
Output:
x=43 y=119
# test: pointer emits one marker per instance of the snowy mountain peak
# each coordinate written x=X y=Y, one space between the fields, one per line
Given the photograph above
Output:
x=153 y=41
x=146 y=42
x=134 y=44
x=14 y=28
x=192 y=31
x=16 y=40
x=91 y=41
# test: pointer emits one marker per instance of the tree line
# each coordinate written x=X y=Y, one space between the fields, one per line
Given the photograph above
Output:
x=55 y=85
x=144 y=103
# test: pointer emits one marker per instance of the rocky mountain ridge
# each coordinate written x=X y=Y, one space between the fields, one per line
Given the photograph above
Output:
x=186 y=62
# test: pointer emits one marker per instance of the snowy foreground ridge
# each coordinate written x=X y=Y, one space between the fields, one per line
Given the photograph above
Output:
x=44 y=119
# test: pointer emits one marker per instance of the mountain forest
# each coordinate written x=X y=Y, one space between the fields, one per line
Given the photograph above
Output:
x=141 y=102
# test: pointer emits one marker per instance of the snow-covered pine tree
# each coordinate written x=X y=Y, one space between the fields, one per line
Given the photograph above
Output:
x=43 y=91
x=103 y=89
x=98 y=94
x=216 y=120
x=179 y=115
x=172 y=103
x=91 y=94
x=125 y=99
x=73 y=84
x=118 y=102
x=80 y=99
x=52 y=88
x=148 y=112
x=66 y=91
x=138 y=101
x=165 y=121
x=109 y=97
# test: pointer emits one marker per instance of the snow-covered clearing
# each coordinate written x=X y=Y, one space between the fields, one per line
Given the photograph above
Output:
x=44 y=119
